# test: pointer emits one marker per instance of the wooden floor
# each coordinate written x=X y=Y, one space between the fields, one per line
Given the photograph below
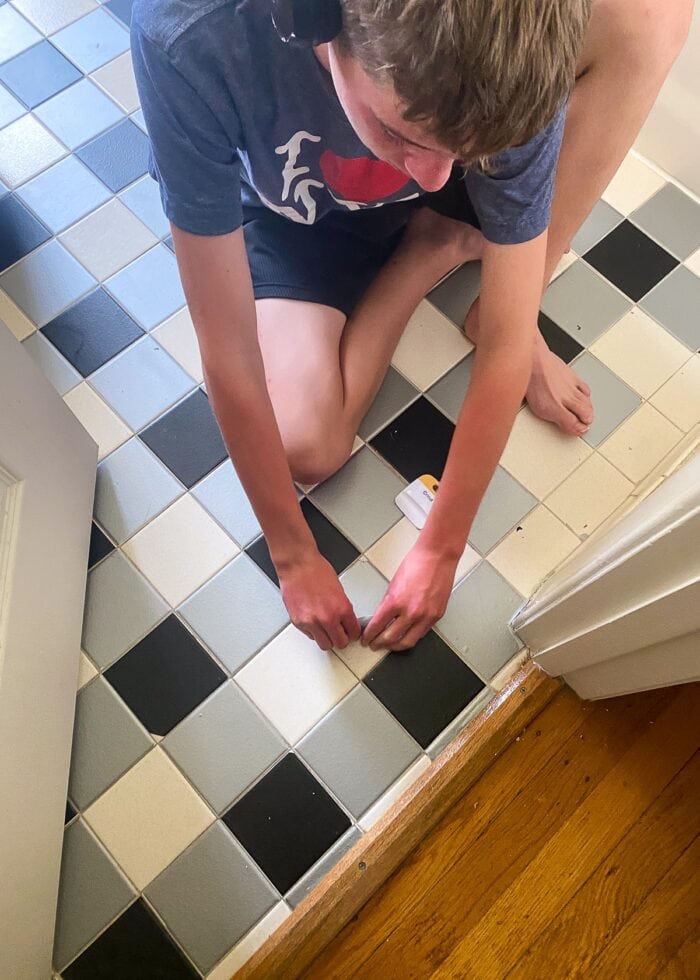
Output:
x=576 y=854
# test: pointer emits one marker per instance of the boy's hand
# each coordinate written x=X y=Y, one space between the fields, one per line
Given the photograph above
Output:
x=416 y=598
x=317 y=603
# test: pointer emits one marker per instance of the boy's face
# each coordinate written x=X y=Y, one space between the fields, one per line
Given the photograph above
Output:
x=374 y=113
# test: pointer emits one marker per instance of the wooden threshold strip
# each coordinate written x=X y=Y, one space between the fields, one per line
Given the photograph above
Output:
x=317 y=919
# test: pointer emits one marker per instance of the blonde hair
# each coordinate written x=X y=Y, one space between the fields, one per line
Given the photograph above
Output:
x=479 y=75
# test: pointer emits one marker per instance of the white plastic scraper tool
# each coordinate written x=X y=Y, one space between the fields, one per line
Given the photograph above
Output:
x=417 y=498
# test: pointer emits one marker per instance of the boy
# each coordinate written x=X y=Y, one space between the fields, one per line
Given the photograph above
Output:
x=295 y=179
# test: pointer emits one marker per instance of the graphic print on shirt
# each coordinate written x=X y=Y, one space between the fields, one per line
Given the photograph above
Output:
x=352 y=182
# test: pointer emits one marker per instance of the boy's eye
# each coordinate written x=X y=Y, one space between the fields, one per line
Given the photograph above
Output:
x=391 y=137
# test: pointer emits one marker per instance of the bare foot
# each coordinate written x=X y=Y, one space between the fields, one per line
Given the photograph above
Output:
x=555 y=393
x=455 y=241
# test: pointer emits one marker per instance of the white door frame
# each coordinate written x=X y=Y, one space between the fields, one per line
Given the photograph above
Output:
x=47 y=482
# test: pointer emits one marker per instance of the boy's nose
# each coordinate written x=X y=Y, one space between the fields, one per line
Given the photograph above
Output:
x=429 y=170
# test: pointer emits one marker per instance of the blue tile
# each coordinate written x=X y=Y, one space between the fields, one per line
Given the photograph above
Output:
x=16 y=33
x=52 y=364
x=142 y=383
x=121 y=9
x=21 y=232
x=118 y=156
x=150 y=288
x=143 y=198
x=138 y=119
x=45 y=282
x=63 y=193
x=38 y=73
x=79 y=113
x=3 y=190
x=93 y=40
x=10 y=108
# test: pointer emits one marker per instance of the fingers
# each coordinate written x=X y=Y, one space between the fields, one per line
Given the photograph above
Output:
x=379 y=622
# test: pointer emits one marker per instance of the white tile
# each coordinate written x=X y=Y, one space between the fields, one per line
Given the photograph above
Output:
x=640 y=352
x=108 y=239
x=116 y=78
x=679 y=398
x=540 y=455
x=378 y=809
x=105 y=427
x=148 y=817
x=180 y=549
x=86 y=671
x=633 y=184
x=640 y=442
x=693 y=262
x=18 y=322
x=250 y=943
x=16 y=34
x=177 y=335
x=525 y=557
x=26 y=148
x=294 y=682
x=389 y=551
x=50 y=17
x=567 y=259
x=508 y=671
x=582 y=507
x=430 y=346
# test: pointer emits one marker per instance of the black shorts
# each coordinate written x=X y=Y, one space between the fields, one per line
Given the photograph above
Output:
x=334 y=260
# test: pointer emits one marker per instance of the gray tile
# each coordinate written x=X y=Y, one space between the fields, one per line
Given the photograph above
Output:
x=583 y=303
x=132 y=487
x=10 y=108
x=54 y=366
x=150 y=288
x=393 y=396
x=237 y=612
x=107 y=740
x=45 y=282
x=210 y=896
x=477 y=617
x=612 y=400
x=92 y=41
x=672 y=218
x=143 y=198
x=359 y=499
x=504 y=504
x=92 y=892
x=121 y=607
x=448 y=393
x=364 y=587
x=63 y=194
x=456 y=294
x=222 y=493
x=319 y=870
x=597 y=225
x=675 y=303
x=359 y=750
x=79 y=113
x=142 y=382
x=224 y=746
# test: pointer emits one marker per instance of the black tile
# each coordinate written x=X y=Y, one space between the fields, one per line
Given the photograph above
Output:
x=631 y=260
x=38 y=73
x=121 y=9
x=117 y=157
x=334 y=546
x=135 y=947
x=100 y=546
x=165 y=676
x=70 y=812
x=287 y=821
x=558 y=340
x=416 y=442
x=188 y=439
x=92 y=331
x=425 y=688
x=20 y=231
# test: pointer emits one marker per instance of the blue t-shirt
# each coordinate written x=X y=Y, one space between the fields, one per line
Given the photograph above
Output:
x=228 y=105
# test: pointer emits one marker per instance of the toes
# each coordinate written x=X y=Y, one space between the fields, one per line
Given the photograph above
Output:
x=572 y=425
x=582 y=386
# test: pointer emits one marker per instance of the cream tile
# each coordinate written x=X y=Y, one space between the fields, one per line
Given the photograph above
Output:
x=26 y=148
x=86 y=671
x=178 y=336
x=250 y=943
x=105 y=427
x=389 y=551
x=679 y=398
x=430 y=346
x=540 y=455
x=294 y=682
x=378 y=809
x=640 y=442
x=51 y=17
x=108 y=239
x=567 y=259
x=525 y=557
x=507 y=672
x=633 y=184
x=116 y=78
x=148 y=817
x=589 y=495
x=640 y=352
x=693 y=262
x=180 y=549
x=18 y=322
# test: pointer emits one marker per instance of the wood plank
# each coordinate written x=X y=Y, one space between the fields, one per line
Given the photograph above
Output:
x=555 y=873
x=619 y=884
x=685 y=962
x=482 y=841
x=358 y=875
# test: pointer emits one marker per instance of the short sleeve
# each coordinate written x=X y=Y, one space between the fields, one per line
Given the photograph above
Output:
x=193 y=159
x=514 y=201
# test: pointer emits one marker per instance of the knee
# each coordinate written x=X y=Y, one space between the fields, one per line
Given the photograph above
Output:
x=313 y=462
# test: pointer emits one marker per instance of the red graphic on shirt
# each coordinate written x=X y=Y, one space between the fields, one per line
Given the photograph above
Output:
x=359 y=178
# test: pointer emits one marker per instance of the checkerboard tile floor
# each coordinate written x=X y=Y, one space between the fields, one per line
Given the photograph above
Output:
x=222 y=763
